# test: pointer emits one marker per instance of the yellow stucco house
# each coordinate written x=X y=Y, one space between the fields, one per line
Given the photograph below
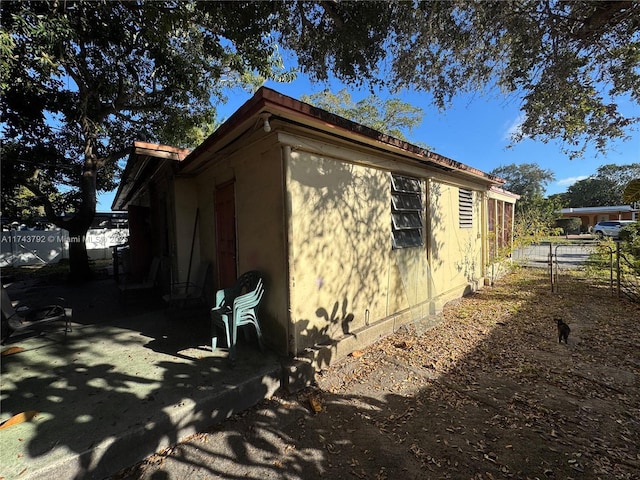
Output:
x=356 y=232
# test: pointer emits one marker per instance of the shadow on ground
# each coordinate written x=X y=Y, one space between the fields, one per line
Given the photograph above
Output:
x=488 y=393
x=127 y=381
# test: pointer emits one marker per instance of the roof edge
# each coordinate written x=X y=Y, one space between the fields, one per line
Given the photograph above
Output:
x=140 y=150
x=159 y=150
x=266 y=98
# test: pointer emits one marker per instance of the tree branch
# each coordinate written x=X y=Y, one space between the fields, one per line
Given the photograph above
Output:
x=112 y=157
x=43 y=199
x=329 y=9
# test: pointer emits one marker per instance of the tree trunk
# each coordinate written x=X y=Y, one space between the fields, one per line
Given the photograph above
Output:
x=80 y=223
x=79 y=270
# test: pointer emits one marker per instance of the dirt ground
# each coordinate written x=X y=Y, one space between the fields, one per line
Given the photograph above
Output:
x=488 y=393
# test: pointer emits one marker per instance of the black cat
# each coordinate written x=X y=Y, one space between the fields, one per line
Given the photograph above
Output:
x=563 y=331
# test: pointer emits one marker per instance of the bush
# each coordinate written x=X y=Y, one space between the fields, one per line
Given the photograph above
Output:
x=569 y=225
x=630 y=238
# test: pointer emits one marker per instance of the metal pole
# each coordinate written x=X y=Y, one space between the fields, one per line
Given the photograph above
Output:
x=610 y=269
x=193 y=241
x=618 y=268
x=551 y=265
x=557 y=268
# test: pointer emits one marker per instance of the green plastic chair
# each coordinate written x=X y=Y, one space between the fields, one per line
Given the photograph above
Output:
x=236 y=307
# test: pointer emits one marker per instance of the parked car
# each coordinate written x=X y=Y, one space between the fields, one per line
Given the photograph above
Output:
x=610 y=228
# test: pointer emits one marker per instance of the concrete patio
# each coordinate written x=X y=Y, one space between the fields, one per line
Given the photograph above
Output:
x=126 y=382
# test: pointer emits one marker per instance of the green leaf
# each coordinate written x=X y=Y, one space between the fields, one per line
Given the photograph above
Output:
x=632 y=192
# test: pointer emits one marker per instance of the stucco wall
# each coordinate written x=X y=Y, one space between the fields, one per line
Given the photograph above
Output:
x=339 y=246
x=455 y=253
x=260 y=229
x=345 y=276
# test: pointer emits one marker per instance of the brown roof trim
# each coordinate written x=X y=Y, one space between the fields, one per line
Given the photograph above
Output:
x=504 y=192
x=352 y=126
x=160 y=151
x=266 y=99
x=140 y=154
x=249 y=108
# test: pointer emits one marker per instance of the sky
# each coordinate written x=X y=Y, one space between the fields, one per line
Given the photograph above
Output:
x=474 y=130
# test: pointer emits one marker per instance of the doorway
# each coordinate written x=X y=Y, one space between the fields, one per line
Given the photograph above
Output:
x=225 y=217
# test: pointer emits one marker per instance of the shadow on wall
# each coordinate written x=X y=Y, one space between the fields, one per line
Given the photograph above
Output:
x=344 y=319
x=467 y=260
x=342 y=210
x=336 y=323
x=468 y=265
x=342 y=204
x=435 y=218
x=413 y=269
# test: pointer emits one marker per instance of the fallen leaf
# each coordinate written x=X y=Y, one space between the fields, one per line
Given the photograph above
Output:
x=315 y=404
x=18 y=418
x=11 y=351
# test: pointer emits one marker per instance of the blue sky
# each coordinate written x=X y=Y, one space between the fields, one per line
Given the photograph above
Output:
x=474 y=130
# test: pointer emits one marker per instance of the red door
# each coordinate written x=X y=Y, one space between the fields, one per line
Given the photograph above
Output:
x=224 y=208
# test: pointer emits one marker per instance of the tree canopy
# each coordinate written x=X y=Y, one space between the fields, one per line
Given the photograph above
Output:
x=80 y=81
x=527 y=180
x=592 y=192
x=392 y=116
x=605 y=188
x=569 y=63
